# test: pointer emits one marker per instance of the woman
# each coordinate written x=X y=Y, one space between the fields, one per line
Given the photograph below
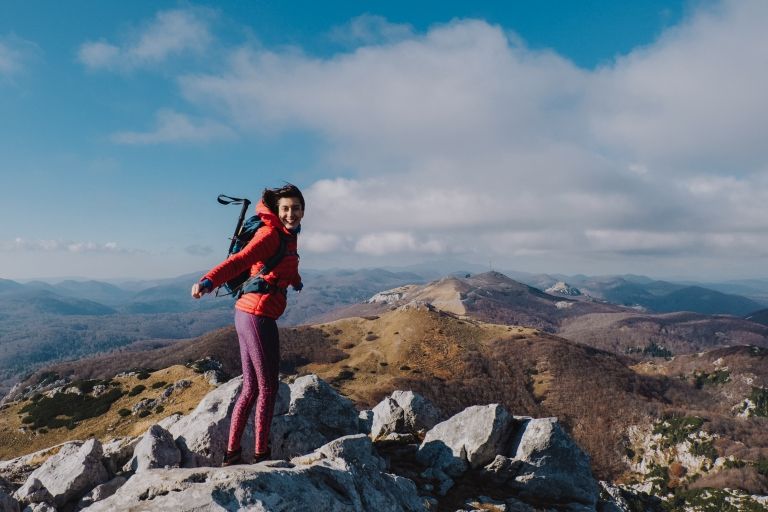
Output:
x=281 y=210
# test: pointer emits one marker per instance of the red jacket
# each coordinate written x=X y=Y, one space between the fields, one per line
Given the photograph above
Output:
x=262 y=246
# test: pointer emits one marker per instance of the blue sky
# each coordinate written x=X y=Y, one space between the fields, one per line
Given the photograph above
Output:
x=548 y=136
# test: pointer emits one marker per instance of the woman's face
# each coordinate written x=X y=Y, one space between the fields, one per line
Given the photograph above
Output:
x=289 y=211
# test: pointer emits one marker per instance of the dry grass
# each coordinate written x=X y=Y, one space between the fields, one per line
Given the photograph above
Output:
x=16 y=440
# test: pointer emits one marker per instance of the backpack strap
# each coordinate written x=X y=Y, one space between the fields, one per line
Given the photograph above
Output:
x=256 y=283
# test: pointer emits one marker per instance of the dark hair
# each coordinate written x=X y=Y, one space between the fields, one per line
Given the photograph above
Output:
x=271 y=196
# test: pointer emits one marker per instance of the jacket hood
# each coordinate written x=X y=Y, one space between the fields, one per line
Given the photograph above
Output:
x=270 y=219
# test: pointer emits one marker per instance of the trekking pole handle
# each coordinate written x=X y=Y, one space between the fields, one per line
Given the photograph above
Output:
x=225 y=200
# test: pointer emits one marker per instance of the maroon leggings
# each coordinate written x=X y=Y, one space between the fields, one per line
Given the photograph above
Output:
x=260 y=357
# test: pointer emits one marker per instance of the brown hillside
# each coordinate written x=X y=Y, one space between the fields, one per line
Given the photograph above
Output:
x=681 y=333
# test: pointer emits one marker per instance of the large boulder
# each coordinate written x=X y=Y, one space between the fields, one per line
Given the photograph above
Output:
x=101 y=492
x=316 y=414
x=202 y=435
x=342 y=476
x=403 y=412
x=117 y=452
x=16 y=471
x=72 y=472
x=545 y=466
x=155 y=450
x=474 y=437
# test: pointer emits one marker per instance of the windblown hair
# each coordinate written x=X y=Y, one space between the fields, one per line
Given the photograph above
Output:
x=271 y=196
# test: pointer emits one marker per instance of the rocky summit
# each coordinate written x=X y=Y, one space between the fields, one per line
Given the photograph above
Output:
x=402 y=455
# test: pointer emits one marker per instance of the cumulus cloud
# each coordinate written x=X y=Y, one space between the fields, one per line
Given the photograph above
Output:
x=27 y=245
x=170 y=33
x=172 y=126
x=370 y=29
x=463 y=134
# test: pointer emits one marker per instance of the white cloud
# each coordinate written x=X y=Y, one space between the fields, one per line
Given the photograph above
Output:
x=170 y=33
x=371 y=29
x=175 y=127
x=27 y=245
x=463 y=134
x=320 y=242
x=395 y=242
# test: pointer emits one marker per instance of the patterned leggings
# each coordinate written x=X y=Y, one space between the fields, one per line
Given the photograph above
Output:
x=260 y=357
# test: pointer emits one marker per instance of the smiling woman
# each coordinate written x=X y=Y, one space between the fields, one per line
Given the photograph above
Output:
x=274 y=263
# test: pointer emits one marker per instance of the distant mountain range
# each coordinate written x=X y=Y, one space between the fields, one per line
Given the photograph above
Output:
x=42 y=322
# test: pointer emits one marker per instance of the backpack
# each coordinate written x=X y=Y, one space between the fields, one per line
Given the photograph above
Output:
x=244 y=232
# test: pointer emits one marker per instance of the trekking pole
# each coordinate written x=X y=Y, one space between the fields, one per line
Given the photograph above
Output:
x=225 y=200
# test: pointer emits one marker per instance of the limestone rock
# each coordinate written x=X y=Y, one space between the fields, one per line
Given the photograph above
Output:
x=403 y=412
x=117 y=452
x=316 y=414
x=611 y=499
x=202 y=435
x=101 y=492
x=155 y=450
x=40 y=507
x=474 y=436
x=76 y=469
x=546 y=466
x=365 y=421
x=16 y=471
x=341 y=476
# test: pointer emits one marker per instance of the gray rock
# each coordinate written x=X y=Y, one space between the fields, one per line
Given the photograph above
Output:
x=16 y=471
x=33 y=491
x=202 y=435
x=342 y=476
x=403 y=412
x=7 y=503
x=76 y=469
x=101 y=492
x=169 y=421
x=117 y=452
x=155 y=450
x=283 y=401
x=365 y=421
x=40 y=507
x=475 y=435
x=546 y=467
x=316 y=414
x=611 y=499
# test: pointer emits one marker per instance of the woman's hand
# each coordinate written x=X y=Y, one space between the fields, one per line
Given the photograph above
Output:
x=197 y=291
x=201 y=288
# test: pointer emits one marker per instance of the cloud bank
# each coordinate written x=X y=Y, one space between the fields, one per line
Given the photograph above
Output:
x=27 y=245
x=463 y=141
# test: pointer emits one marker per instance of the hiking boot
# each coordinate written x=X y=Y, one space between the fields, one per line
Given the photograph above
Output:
x=232 y=458
x=261 y=457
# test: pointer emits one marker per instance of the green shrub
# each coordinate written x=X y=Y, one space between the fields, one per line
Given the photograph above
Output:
x=718 y=377
x=675 y=430
x=159 y=409
x=655 y=350
x=137 y=389
x=762 y=466
x=66 y=409
x=144 y=413
x=759 y=397
x=124 y=412
x=159 y=384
